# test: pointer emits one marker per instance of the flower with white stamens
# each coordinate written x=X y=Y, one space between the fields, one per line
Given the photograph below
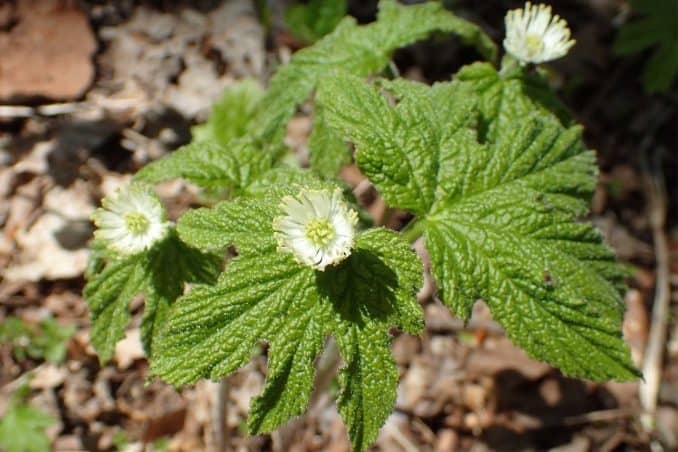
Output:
x=317 y=227
x=534 y=35
x=131 y=220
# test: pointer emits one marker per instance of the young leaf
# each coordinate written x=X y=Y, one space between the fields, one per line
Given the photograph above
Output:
x=504 y=97
x=211 y=165
x=231 y=115
x=266 y=295
x=499 y=218
x=313 y=20
x=22 y=428
x=360 y=50
x=159 y=275
x=328 y=150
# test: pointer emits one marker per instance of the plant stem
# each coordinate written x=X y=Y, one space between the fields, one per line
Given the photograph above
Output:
x=413 y=230
x=220 y=416
x=652 y=365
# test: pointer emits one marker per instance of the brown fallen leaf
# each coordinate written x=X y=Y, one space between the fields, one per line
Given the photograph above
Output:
x=47 y=53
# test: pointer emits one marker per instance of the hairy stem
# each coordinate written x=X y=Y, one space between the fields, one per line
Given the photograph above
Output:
x=221 y=415
x=413 y=230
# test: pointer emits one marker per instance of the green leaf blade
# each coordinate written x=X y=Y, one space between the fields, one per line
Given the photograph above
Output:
x=397 y=147
x=170 y=266
x=212 y=330
x=360 y=50
x=210 y=165
x=505 y=233
x=657 y=27
x=374 y=289
x=368 y=383
x=22 y=429
x=328 y=151
x=291 y=369
x=315 y=19
x=231 y=115
x=241 y=222
x=108 y=296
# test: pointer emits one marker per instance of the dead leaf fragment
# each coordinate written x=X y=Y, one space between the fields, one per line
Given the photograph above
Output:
x=47 y=53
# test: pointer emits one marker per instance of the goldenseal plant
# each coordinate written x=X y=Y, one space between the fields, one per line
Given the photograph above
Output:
x=490 y=166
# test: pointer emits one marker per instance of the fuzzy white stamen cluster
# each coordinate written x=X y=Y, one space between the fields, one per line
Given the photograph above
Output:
x=534 y=35
x=317 y=227
x=131 y=220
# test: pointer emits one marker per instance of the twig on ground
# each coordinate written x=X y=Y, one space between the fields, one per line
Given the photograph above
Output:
x=652 y=364
x=598 y=416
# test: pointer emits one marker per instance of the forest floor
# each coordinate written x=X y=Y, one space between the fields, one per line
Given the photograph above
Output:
x=119 y=84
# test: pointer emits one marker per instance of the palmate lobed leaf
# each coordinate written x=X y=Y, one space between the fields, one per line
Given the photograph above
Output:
x=264 y=295
x=498 y=214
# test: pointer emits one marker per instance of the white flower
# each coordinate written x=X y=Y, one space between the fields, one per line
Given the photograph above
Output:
x=131 y=220
x=318 y=227
x=534 y=35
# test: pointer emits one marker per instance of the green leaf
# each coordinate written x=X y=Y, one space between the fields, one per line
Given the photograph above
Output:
x=236 y=222
x=22 y=428
x=108 y=296
x=231 y=115
x=211 y=165
x=171 y=265
x=502 y=98
x=328 y=150
x=658 y=27
x=397 y=148
x=281 y=176
x=47 y=340
x=50 y=340
x=368 y=383
x=313 y=20
x=371 y=291
x=359 y=50
x=498 y=216
x=160 y=275
x=264 y=295
x=662 y=68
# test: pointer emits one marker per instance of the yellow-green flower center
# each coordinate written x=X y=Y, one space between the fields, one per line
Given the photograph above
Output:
x=320 y=232
x=533 y=44
x=136 y=223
